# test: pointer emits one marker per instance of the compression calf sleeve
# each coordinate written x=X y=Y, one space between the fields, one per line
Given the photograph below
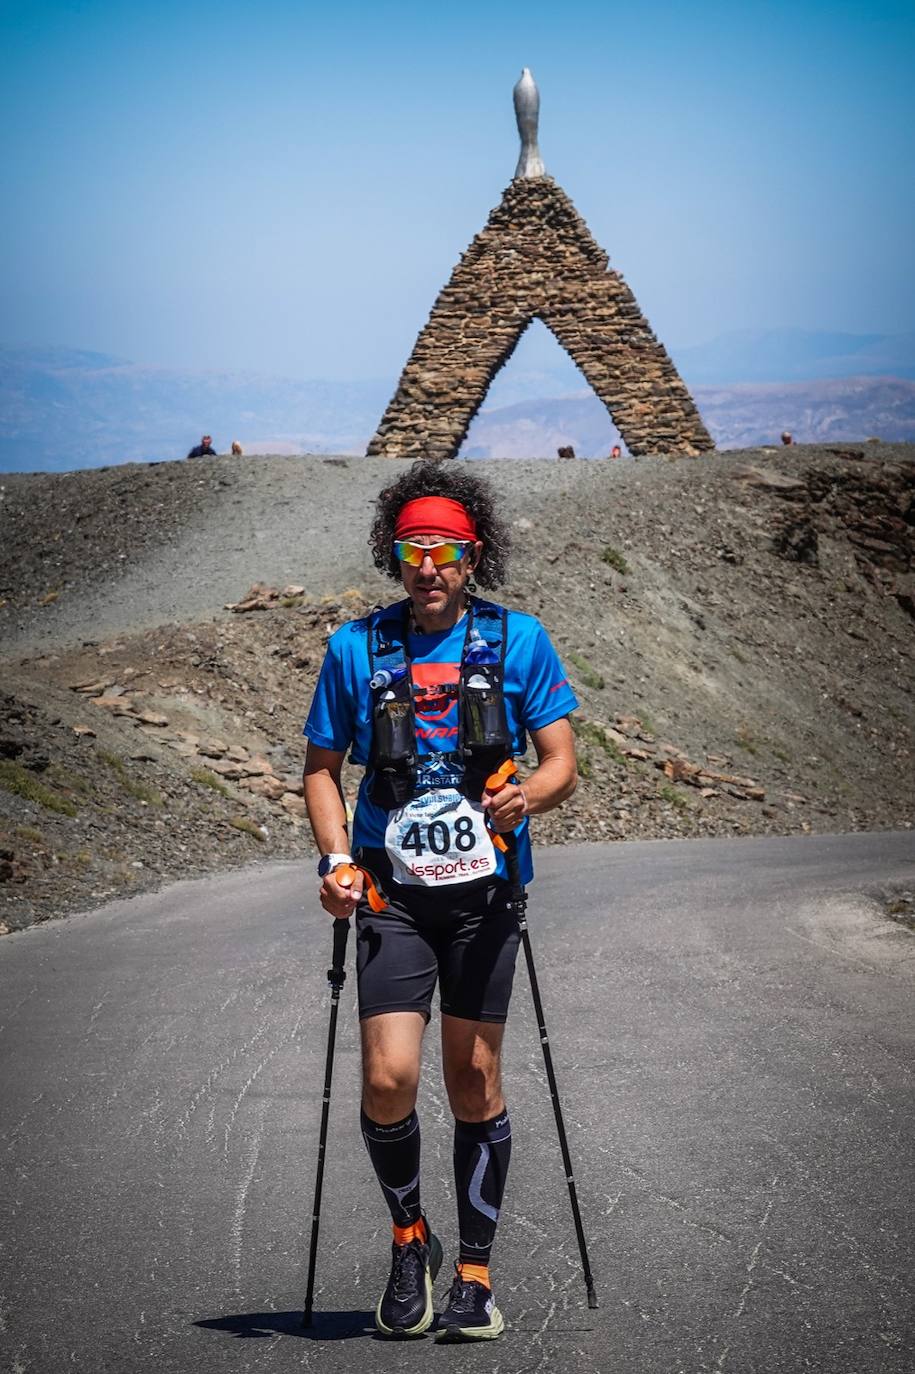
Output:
x=394 y=1152
x=482 y=1150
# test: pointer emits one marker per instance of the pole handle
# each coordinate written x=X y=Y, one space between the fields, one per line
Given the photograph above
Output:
x=345 y=875
x=503 y=774
x=494 y=783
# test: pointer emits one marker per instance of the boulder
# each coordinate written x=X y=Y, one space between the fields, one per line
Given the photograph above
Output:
x=260 y=597
x=224 y=769
x=151 y=717
x=264 y=786
x=256 y=765
x=182 y=747
x=213 y=748
x=680 y=770
x=767 y=479
x=118 y=706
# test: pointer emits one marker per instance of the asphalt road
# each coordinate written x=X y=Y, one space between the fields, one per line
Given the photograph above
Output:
x=733 y=1034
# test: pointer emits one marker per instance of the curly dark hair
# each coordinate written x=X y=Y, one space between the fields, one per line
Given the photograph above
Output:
x=440 y=479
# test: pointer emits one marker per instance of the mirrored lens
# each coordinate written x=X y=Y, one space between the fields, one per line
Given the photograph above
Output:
x=450 y=551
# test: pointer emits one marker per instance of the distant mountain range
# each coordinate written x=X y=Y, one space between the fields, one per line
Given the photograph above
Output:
x=795 y=355
x=744 y=415
x=63 y=408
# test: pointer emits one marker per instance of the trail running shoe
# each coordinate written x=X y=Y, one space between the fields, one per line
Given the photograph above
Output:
x=406 y=1307
x=471 y=1314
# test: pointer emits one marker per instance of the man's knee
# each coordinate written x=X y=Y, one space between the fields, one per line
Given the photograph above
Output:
x=472 y=1060
x=390 y=1065
x=382 y=1078
x=475 y=1090
x=388 y=1089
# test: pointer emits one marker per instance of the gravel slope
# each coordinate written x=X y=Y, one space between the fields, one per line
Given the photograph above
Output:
x=129 y=547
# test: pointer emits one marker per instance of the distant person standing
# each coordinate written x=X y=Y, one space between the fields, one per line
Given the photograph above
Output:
x=237 y=450
x=787 y=437
x=204 y=449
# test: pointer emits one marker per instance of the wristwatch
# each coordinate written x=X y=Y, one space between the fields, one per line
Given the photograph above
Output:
x=328 y=862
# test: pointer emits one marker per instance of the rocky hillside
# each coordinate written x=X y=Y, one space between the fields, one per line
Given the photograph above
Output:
x=739 y=629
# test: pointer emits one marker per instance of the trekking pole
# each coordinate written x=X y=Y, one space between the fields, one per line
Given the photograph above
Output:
x=494 y=783
x=336 y=976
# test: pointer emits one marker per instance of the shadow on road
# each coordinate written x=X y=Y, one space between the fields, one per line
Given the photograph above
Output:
x=328 y=1326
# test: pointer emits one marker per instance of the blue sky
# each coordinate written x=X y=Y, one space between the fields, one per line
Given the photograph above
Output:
x=284 y=187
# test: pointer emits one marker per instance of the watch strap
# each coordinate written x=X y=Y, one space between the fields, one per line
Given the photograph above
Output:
x=328 y=862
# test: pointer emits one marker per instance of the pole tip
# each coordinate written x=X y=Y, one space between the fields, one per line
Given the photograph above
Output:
x=592 y=1296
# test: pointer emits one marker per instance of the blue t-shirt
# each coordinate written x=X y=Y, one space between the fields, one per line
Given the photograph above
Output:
x=536 y=689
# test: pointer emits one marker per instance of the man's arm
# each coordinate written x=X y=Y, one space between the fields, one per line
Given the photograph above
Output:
x=324 y=798
x=551 y=783
x=327 y=814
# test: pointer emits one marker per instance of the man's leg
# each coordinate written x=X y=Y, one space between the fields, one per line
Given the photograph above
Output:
x=471 y=1056
x=391 y=1049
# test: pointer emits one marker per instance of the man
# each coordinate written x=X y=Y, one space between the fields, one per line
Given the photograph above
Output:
x=204 y=449
x=457 y=683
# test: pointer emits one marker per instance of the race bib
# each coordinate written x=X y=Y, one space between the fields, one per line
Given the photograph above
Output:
x=439 y=837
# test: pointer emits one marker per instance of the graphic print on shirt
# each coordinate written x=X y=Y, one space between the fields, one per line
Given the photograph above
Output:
x=439 y=836
x=436 y=708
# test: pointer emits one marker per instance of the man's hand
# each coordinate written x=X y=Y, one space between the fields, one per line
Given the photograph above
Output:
x=341 y=899
x=507 y=807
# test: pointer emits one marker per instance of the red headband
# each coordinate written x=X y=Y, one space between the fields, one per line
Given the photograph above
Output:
x=437 y=515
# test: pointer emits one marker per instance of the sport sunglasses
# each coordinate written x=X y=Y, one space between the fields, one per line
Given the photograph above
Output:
x=449 y=551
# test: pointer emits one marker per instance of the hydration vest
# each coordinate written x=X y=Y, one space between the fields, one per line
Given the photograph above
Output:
x=484 y=740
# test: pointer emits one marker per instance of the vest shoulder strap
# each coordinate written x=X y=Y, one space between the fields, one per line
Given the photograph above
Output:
x=387 y=630
x=386 y=637
x=490 y=621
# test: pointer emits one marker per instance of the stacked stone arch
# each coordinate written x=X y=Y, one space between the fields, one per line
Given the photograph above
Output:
x=536 y=259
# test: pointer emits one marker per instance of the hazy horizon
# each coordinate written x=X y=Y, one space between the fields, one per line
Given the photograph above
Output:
x=286 y=190
x=65 y=408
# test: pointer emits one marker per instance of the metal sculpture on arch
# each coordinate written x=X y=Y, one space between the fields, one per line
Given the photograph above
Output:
x=536 y=259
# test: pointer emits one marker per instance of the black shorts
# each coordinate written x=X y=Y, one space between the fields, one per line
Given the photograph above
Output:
x=465 y=937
